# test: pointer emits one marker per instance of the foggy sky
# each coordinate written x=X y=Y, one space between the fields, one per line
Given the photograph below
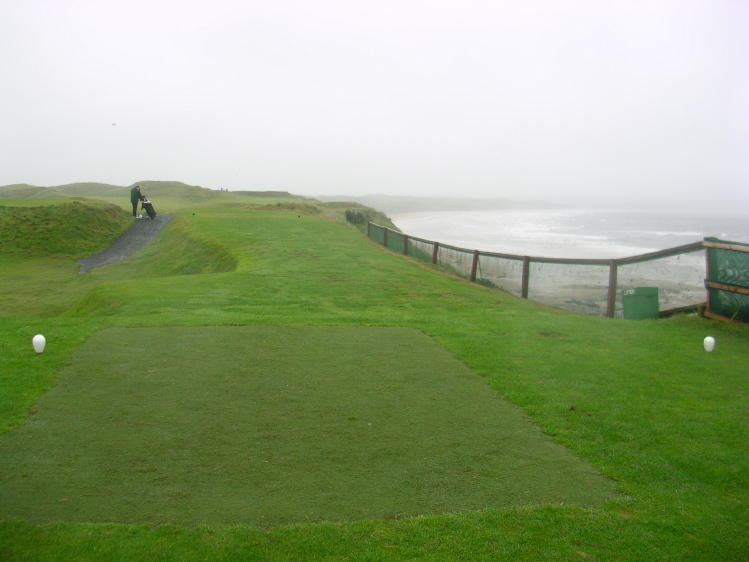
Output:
x=552 y=99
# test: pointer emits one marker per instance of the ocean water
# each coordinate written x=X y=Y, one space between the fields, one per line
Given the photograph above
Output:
x=574 y=233
x=580 y=234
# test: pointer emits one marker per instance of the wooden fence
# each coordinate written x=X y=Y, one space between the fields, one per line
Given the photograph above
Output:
x=712 y=275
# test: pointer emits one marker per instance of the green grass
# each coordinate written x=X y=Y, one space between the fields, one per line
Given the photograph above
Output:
x=640 y=401
x=71 y=228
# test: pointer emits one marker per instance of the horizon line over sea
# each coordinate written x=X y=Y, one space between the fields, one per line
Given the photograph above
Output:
x=575 y=233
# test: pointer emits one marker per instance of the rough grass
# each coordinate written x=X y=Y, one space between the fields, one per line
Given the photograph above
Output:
x=640 y=401
x=73 y=228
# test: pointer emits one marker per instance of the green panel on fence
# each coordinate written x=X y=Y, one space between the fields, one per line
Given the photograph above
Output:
x=395 y=241
x=729 y=305
x=377 y=233
x=729 y=267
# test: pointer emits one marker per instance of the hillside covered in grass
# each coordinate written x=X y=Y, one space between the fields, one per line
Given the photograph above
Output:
x=24 y=190
x=71 y=228
x=168 y=196
x=639 y=403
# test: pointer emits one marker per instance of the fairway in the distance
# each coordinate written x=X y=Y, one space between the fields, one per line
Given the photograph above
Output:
x=275 y=425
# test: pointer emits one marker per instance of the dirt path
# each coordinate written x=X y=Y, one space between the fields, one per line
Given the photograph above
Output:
x=132 y=240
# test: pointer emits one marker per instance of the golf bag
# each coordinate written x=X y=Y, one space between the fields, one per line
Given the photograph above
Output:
x=149 y=208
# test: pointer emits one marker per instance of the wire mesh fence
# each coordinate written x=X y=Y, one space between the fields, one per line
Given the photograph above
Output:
x=504 y=273
x=421 y=249
x=394 y=240
x=455 y=259
x=579 y=287
x=680 y=278
x=376 y=232
x=595 y=286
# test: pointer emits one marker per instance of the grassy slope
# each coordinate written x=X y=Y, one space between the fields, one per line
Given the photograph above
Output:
x=640 y=400
x=41 y=241
x=70 y=228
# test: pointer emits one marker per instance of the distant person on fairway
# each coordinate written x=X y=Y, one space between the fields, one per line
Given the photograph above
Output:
x=135 y=197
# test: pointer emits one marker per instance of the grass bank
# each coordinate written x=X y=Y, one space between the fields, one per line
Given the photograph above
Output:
x=69 y=228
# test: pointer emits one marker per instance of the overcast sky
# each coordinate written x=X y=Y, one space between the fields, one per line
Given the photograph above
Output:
x=644 y=99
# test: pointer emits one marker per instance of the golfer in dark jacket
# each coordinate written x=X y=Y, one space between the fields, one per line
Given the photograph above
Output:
x=135 y=196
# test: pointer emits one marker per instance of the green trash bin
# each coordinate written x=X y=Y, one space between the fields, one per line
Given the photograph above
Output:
x=640 y=303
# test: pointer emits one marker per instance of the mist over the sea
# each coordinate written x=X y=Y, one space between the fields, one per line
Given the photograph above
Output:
x=573 y=233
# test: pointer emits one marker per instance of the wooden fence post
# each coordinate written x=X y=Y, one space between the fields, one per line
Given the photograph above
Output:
x=435 y=251
x=385 y=236
x=708 y=278
x=611 y=301
x=474 y=265
x=369 y=229
x=405 y=244
x=526 y=277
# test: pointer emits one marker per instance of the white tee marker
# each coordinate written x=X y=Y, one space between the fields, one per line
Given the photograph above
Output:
x=38 y=341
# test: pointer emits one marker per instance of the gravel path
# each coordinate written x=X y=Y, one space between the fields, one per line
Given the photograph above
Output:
x=132 y=240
